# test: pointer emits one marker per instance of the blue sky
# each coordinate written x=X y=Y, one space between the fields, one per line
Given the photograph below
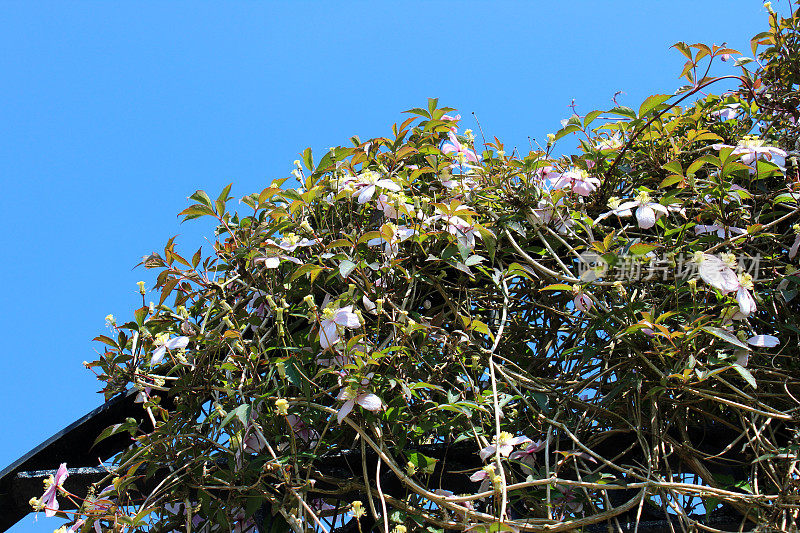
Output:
x=111 y=114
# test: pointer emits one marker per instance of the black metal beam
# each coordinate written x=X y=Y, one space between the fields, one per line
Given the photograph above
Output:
x=22 y=479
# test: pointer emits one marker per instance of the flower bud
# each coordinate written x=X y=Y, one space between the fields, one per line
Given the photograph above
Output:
x=281 y=406
x=357 y=508
x=411 y=468
x=142 y=290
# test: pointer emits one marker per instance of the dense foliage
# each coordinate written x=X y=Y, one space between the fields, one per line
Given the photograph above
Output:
x=433 y=333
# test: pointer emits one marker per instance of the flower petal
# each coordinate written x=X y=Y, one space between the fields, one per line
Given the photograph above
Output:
x=345 y=409
x=646 y=217
x=369 y=401
x=747 y=305
x=764 y=341
x=158 y=355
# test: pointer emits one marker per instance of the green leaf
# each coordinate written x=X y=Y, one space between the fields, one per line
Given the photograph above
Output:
x=140 y=315
x=669 y=181
x=128 y=425
x=308 y=159
x=726 y=336
x=641 y=248
x=590 y=116
x=673 y=166
x=570 y=128
x=748 y=377
x=346 y=267
x=422 y=462
x=651 y=102
x=624 y=111
x=242 y=413
x=203 y=198
x=197 y=210
x=556 y=287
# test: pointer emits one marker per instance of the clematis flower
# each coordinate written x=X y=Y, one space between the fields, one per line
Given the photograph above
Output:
x=389 y=204
x=463 y=231
x=582 y=302
x=396 y=235
x=716 y=272
x=747 y=305
x=486 y=476
x=728 y=112
x=461 y=152
x=504 y=444
x=546 y=174
x=545 y=213
x=464 y=181
x=332 y=320
x=578 y=180
x=527 y=455
x=720 y=229
x=368 y=181
x=367 y=400
x=611 y=143
x=759 y=341
x=763 y=341
x=752 y=148
x=290 y=242
x=303 y=432
x=53 y=484
x=177 y=343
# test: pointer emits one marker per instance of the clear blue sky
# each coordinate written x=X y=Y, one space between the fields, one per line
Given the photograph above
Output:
x=112 y=114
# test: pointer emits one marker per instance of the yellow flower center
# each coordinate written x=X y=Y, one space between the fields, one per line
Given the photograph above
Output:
x=644 y=198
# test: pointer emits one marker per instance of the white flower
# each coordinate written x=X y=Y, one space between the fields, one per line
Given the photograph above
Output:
x=752 y=148
x=369 y=181
x=728 y=112
x=578 y=180
x=747 y=305
x=647 y=211
x=716 y=273
x=177 y=343
x=396 y=235
x=332 y=319
x=720 y=229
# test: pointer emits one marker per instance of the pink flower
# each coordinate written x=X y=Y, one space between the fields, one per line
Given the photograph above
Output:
x=290 y=242
x=176 y=343
x=454 y=146
x=368 y=181
x=752 y=149
x=49 y=497
x=716 y=273
x=504 y=444
x=390 y=209
x=759 y=341
x=728 y=112
x=578 y=180
x=547 y=173
x=333 y=318
x=396 y=235
x=528 y=455
x=463 y=231
x=485 y=475
x=303 y=432
x=747 y=305
x=367 y=400
x=721 y=230
x=764 y=341
x=582 y=302
x=545 y=213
